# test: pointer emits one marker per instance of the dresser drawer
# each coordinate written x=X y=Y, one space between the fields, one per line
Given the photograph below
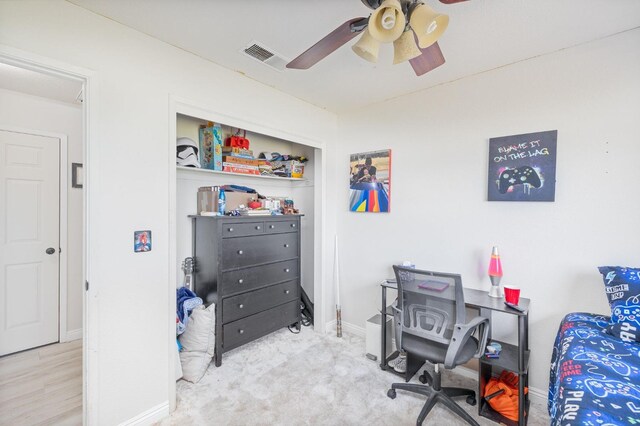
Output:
x=250 y=328
x=241 y=252
x=246 y=304
x=242 y=229
x=280 y=226
x=246 y=279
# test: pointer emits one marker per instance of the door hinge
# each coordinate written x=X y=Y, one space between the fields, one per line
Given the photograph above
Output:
x=86 y=285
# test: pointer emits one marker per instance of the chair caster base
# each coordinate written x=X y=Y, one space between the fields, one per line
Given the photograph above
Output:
x=391 y=393
x=471 y=400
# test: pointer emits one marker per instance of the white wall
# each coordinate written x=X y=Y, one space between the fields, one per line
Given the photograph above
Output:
x=35 y=113
x=134 y=77
x=440 y=218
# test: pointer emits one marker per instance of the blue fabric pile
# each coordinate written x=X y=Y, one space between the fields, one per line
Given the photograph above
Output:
x=186 y=301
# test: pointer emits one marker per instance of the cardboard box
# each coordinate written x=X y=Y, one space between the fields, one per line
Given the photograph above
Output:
x=208 y=200
x=235 y=199
x=211 y=147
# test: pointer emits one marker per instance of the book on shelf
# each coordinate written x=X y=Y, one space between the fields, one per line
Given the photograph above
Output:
x=237 y=152
x=239 y=160
x=240 y=168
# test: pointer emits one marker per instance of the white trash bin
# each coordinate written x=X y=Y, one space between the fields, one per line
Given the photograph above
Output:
x=373 y=336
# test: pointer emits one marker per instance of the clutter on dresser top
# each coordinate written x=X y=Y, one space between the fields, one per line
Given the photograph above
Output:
x=236 y=200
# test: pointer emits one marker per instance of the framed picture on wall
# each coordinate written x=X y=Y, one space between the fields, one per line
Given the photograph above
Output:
x=370 y=182
x=141 y=241
x=523 y=167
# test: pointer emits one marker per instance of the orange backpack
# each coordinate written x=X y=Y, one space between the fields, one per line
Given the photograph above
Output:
x=502 y=394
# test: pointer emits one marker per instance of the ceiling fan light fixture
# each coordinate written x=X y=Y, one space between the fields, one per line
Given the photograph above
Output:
x=367 y=47
x=387 y=22
x=405 y=48
x=428 y=25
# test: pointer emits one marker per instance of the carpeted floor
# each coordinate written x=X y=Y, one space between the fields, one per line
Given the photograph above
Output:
x=309 y=379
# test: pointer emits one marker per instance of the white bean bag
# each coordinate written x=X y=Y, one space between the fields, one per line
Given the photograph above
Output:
x=198 y=343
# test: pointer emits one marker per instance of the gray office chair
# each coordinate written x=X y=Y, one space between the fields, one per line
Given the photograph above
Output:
x=430 y=324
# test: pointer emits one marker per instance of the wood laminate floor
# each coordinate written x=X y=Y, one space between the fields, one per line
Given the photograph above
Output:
x=42 y=386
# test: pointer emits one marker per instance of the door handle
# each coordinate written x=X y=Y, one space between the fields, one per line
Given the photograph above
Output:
x=50 y=250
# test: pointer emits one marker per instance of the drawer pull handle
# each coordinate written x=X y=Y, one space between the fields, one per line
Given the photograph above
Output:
x=230 y=229
x=241 y=331
x=241 y=306
x=286 y=245
x=271 y=226
x=240 y=252
x=240 y=281
x=287 y=270
x=258 y=227
x=286 y=292
x=293 y=225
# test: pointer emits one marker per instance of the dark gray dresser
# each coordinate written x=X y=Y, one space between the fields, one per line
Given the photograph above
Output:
x=250 y=268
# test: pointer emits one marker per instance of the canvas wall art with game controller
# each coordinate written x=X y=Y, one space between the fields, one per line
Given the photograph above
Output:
x=523 y=167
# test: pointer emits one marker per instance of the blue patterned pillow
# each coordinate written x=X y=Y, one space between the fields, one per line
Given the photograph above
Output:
x=622 y=286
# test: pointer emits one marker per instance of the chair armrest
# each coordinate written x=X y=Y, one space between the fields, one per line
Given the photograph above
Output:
x=462 y=333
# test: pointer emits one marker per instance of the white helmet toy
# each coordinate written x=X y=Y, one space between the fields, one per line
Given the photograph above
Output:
x=187 y=153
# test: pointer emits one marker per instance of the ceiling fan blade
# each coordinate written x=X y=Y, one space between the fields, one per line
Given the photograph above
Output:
x=451 y=1
x=430 y=59
x=328 y=45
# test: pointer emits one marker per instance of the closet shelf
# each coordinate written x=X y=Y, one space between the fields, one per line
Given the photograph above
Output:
x=183 y=169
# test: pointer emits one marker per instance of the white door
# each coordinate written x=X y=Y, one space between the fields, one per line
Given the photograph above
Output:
x=29 y=240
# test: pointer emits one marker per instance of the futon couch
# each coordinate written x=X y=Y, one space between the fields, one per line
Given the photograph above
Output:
x=595 y=366
x=595 y=376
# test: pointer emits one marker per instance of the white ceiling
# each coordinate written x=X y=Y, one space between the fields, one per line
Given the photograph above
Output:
x=482 y=35
x=39 y=84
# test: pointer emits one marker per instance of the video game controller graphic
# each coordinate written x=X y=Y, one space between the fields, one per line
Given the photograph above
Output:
x=585 y=334
x=627 y=313
x=603 y=388
x=616 y=365
x=518 y=176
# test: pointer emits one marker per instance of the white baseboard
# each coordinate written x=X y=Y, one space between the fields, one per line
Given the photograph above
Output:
x=71 y=335
x=539 y=395
x=330 y=327
x=150 y=416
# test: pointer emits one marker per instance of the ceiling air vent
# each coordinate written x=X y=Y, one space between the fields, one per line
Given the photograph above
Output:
x=266 y=56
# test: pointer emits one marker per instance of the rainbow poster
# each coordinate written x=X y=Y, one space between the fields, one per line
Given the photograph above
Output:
x=370 y=182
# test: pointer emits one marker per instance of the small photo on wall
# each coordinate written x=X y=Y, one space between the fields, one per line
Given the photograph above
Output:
x=141 y=241
x=523 y=167
x=370 y=182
